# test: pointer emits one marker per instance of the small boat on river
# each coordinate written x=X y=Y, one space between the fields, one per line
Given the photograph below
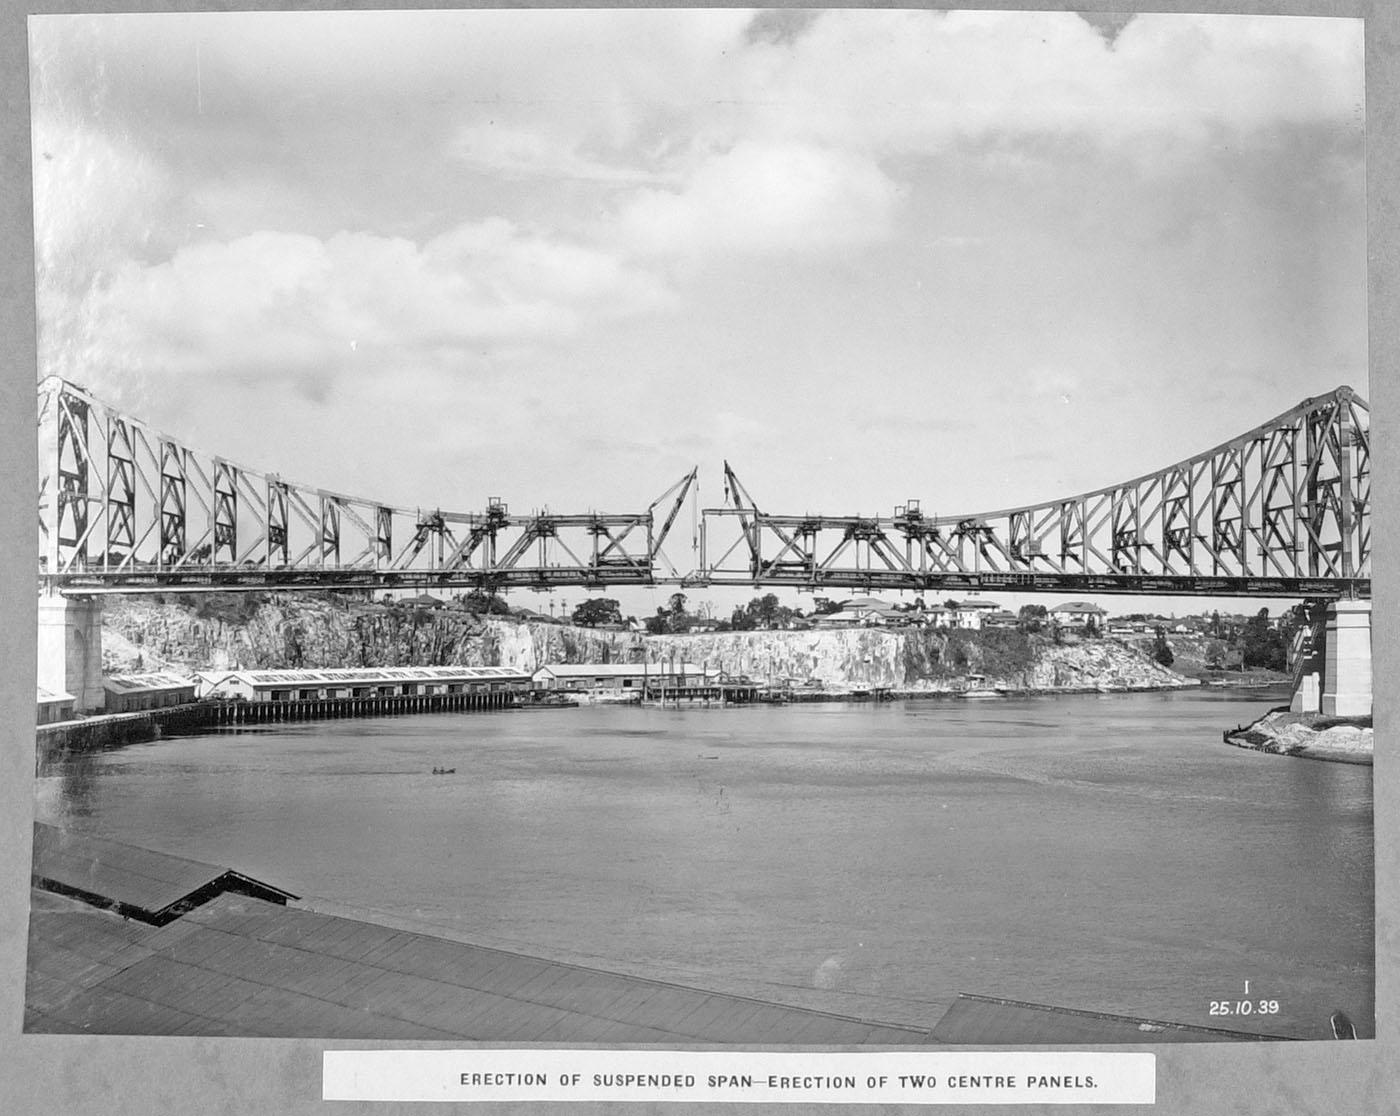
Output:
x=611 y=697
x=976 y=687
x=548 y=701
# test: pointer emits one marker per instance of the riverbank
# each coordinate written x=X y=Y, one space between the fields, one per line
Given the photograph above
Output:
x=1308 y=735
x=115 y=730
x=323 y=630
x=959 y=694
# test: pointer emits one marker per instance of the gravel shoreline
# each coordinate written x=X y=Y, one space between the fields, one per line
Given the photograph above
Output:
x=1309 y=735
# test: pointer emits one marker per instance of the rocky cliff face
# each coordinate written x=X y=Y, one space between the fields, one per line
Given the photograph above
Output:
x=230 y=631
x=227 y=632
x=864 y=658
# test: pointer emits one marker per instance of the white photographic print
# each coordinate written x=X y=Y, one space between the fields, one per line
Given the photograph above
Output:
x=755 y=528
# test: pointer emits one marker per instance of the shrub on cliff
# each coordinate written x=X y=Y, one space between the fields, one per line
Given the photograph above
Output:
x=1161 y=649
x=489 y=604
x=597 y=610
x=959 y=653
x=1263 y=645
x=999 y=652
x=920 y=651
x=1005 y=652
x=229 y=608
x=1032 y=618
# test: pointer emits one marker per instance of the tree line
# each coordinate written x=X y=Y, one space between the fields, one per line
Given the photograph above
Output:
x=1231 y=644
x=761 y=612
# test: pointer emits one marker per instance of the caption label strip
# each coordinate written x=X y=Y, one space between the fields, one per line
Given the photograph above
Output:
x=1033 y=1077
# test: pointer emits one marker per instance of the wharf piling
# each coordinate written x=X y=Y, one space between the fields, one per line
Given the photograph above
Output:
x=112 y=730
x=318 y=709
x=702 y=693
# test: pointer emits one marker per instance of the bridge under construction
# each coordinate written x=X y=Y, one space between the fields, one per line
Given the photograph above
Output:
x=1282 y=510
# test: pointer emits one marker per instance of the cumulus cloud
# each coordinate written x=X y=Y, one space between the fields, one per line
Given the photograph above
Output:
x=642 y=140
x=760 y=198
x=532 y=152
x=780 y=25
x=907 y=77
x=277 y=304
x=93 y=196
x=98 y=203
x=914 y=82
x=788 y=134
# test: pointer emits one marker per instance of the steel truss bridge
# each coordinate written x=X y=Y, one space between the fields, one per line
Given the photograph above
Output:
x=1282 y=510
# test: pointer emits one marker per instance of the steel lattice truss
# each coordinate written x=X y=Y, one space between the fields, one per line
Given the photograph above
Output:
x=1283 y=510
x=125 y=508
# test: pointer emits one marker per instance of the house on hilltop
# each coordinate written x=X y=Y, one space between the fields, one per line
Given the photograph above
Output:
x=869 y=612
x=1078 y=614
x=971 y=615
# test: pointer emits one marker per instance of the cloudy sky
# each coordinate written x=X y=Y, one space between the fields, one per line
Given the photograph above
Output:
x=978 y=259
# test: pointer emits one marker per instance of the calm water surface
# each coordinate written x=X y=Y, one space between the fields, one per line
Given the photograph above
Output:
x=1097 y=852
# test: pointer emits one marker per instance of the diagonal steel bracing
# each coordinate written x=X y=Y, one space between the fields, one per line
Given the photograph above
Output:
x=124 y=508
x=1282 y=510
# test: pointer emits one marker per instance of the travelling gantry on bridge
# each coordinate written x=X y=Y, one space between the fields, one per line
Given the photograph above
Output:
x=124 y=508
x=1282 y=510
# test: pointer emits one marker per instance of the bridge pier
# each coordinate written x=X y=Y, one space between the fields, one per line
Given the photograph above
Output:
x=70 y=649
x=1334 y=676
x=1346 y=686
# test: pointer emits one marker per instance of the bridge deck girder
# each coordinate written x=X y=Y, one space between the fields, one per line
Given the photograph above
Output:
x=234 y=580
x=1282 y=510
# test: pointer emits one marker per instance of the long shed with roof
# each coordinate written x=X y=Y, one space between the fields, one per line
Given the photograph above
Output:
x=619 y=676
x=359 y=682
x=54 y=706
x=134 y=693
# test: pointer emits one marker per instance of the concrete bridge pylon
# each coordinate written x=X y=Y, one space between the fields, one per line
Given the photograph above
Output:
x=1333 y=677
x=1346 y=687
x=70 y=649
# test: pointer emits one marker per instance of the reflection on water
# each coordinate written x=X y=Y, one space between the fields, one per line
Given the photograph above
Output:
x=1099 y=852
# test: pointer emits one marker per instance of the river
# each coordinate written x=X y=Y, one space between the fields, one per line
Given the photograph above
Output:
x=1100 y=852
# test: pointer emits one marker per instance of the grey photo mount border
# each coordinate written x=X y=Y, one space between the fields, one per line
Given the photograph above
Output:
x=110 y=1074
